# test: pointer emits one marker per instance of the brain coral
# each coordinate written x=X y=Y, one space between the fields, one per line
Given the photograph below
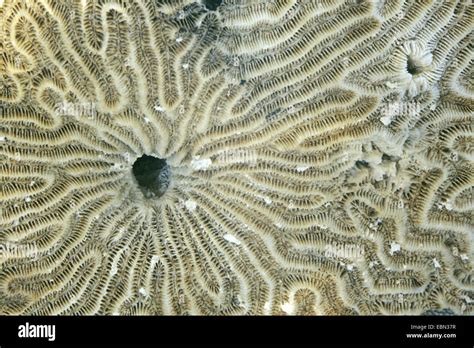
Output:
x=315 y=157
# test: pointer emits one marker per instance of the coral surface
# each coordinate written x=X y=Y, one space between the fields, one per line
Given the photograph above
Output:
x=236 y=157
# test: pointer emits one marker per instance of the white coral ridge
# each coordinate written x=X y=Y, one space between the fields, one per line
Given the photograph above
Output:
x=301 y=169
x=159 y=108
x=117 y=166
x=154 y=260
x=394 y=247
x=288 y=308
x=114 y=269
x=387 y=169
x=190 y=205
x=200 y=164
x=230 y=238
x=422 y=59
x=386 y=120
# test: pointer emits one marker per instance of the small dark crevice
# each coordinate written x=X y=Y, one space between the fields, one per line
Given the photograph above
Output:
x=362 y=164
x=413 y=68
x=273 y=115
x=391 y=158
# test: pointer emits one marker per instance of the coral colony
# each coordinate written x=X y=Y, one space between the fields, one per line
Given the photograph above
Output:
x=263 y=157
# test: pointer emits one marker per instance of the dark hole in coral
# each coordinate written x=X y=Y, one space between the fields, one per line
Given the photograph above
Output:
x=152 y=175
x=212 y=5
x=362 y=164
x=412 y=67
x=446 y=150
x=273 y=115
x=386 y=157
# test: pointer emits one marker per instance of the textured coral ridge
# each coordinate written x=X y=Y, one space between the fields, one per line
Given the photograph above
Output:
x=295 y=185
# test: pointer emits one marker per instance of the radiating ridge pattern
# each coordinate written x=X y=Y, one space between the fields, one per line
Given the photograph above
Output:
x=320 y=157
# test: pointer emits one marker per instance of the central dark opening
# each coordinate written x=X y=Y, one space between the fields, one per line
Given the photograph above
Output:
x=152 y=175
x=212 y=5
x=412 y=67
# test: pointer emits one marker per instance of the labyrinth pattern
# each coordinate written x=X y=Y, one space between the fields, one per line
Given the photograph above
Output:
x=320 y=157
